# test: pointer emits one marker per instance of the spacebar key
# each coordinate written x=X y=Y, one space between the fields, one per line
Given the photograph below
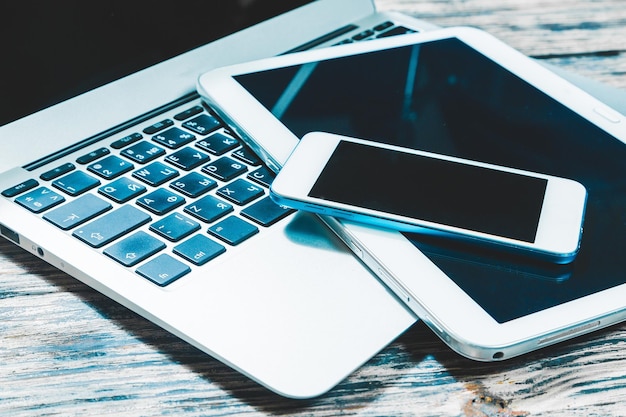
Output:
x=111 y=226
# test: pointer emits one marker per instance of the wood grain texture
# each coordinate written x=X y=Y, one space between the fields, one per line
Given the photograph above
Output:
x=588 y=37
x=67 y=350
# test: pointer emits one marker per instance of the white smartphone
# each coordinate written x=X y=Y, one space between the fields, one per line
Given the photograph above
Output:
x=422 y=192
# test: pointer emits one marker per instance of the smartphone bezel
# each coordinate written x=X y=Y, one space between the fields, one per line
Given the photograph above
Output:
x=557 y=236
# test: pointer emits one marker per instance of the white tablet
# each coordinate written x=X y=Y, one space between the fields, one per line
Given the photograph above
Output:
x=462 y=93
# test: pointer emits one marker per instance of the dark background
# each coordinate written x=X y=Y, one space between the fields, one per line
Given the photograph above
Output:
x=53 y=50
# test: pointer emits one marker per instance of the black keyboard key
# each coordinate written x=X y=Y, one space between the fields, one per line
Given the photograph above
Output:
x=158 y=126
x=76 y=183
x=265 y=212
x=126 y=140
x=209 y=208
x=363 y=35
x=187 y=158
x=122 y=190
x=218 y=143
x=57 y=172
x=225 y=168
x=383 y=26
x=92 y=156
x=174 y=138
x=199 y=249
x=263 y=176
x=111 y=226
x=203 y=124
x=246 y=155
x=143 y=152
x=175 y=227
x=188 y=113
x=193 y=184
x=20 y=188
x=163 y=270
x=77 y=212
x=110 y=167
x=40 y=199
x=344 y=42
x=233 y=230
x=240 y=191
x=134 y=249
x=155 y=174
x=160 y=201
x=398 y=30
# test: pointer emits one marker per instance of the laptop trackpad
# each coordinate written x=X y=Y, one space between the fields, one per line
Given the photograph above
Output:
x=300 y=318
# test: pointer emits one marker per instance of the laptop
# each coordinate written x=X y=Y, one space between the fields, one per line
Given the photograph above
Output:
x=114 y=171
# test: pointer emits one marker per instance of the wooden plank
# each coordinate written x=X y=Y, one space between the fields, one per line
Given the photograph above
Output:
x=587 y=37
x=67 y=350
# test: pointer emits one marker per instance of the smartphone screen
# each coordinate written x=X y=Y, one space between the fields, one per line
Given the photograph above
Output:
x=435 y=190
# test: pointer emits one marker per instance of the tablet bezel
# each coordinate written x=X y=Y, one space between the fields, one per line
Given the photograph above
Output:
x=466 y=327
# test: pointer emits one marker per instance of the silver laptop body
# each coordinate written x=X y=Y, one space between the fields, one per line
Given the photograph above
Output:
x=276 y=296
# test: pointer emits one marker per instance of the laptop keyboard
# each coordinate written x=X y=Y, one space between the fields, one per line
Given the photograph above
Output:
x=171 y=196
x=187 y=178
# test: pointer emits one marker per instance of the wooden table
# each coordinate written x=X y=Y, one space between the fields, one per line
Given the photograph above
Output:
x=67 y=350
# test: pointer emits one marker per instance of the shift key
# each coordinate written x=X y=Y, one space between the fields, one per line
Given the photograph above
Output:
x=111 y=226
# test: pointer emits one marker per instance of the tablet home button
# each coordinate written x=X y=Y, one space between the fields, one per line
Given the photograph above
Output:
x=608 y=114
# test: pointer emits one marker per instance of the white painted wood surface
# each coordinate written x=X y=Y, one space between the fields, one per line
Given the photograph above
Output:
x=67 y=350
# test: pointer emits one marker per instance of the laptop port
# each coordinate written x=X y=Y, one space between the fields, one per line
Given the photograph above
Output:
x=9 y=234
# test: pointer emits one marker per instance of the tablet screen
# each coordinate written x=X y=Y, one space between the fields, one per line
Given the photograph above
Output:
x=496 y=202
x=445 y=97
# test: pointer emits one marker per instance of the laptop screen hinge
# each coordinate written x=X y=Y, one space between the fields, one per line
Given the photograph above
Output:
x=322 y=39
x=109 y=132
